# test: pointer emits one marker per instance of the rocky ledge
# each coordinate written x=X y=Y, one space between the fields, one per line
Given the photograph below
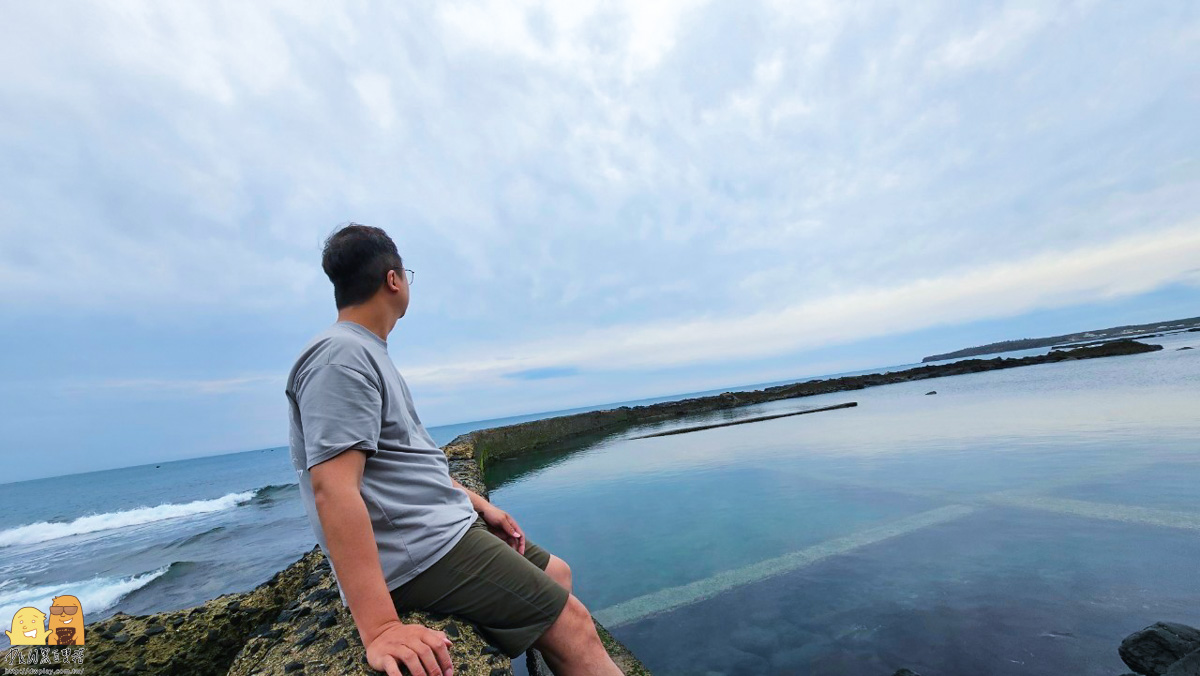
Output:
x=292 y=624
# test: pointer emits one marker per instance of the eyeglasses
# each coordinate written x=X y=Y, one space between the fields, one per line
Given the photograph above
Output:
x=409 y=274
x=64 y=610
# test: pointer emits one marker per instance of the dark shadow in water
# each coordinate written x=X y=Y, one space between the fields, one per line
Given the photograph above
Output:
x=1001 y=593
x=501 y=472
x=498 y=473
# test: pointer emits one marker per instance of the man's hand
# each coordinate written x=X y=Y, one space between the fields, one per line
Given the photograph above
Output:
x=423 y=651
x=504 y=527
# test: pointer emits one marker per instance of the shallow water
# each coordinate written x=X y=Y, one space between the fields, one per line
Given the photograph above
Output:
x=1018 y=522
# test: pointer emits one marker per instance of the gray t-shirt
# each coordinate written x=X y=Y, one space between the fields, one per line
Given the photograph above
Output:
x=344 y=392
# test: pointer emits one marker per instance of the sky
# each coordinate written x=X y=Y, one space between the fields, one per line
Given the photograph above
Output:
x=601 y=201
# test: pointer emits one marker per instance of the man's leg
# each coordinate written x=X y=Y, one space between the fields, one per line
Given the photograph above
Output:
x=513 y=601
x=572 y=647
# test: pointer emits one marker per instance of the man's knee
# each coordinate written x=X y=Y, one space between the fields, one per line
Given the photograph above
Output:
x=574 y=630
x=559 y=571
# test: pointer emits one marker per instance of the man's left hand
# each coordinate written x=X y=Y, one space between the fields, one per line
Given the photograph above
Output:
x=504 y=527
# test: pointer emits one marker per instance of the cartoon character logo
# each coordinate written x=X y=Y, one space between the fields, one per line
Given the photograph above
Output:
x=28 y=627
x=66 y=621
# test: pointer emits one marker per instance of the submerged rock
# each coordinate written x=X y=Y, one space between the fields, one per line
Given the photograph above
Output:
x=1155 y=649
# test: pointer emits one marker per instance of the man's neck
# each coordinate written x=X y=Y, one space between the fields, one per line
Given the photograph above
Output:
x=377 y=320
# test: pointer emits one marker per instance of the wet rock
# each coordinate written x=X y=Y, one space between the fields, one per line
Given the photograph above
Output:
x=1185 y=347
x=307 y=639
x=293 y=613
x=1189 y=665
x=322 y=595
x=327 y=619
x=338 y=646
x=1153 y=650
x=930 y=392
x=906 y=672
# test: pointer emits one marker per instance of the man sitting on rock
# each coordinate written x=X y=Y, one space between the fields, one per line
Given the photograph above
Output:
x=400 y=533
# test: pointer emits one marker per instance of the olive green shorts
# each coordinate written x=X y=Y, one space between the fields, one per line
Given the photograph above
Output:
x=483 y=580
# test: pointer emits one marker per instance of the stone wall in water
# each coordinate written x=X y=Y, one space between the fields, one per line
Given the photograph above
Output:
x=550 y=434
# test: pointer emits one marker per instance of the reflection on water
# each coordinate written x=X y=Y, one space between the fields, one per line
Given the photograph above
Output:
x=1019 y=584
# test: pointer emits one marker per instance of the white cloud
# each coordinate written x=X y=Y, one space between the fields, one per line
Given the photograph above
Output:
x=534 y=148
x=999 y=36
x=375 y=91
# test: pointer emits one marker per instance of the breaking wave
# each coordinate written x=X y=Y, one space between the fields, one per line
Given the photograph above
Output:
x=95 y=595
x=44 y=531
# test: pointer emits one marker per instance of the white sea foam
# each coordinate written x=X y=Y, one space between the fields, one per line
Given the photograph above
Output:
x=43 y=531
x=95 y=595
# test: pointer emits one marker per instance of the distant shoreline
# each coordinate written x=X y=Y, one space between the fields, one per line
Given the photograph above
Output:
x=1130 y=332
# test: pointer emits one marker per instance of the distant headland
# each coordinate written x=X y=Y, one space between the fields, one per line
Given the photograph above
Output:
x=1133 y=331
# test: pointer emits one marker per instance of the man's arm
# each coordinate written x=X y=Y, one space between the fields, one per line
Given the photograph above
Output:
x=477 y=501
x=499 y=521
x=355 y=557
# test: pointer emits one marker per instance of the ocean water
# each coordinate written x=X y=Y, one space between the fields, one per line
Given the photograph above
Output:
x=1017 y=522
x=1120 y=433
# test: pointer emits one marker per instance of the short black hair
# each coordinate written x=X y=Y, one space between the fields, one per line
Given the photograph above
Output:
x=357 y=259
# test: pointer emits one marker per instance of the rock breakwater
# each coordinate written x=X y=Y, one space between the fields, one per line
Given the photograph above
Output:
x=549 y=434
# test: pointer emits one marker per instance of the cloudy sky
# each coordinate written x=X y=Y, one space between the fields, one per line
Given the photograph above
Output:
x=601 y=202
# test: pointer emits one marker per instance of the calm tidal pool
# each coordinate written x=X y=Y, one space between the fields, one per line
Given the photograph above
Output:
x=1018 y=522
